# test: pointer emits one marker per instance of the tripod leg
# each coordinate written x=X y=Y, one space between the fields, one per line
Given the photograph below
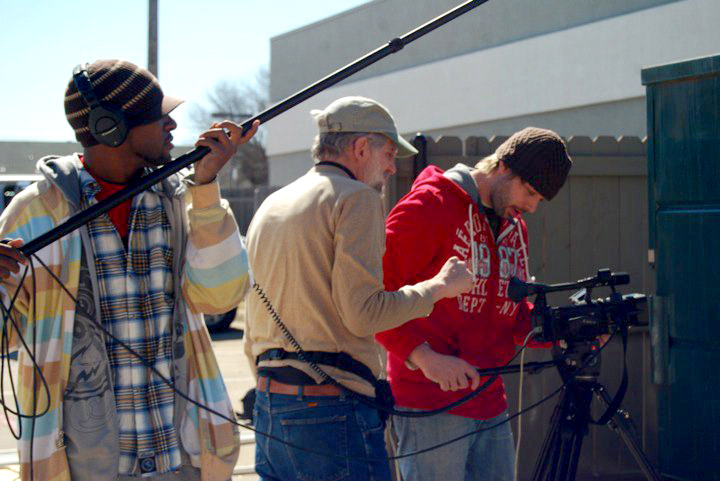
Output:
x=574 y=454
x=547 y=458
x=560 y=452
x=621 y=424
x=576 y=427
x=567 y=451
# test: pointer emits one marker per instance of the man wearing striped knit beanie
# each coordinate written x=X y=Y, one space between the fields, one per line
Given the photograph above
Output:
x=140 y=277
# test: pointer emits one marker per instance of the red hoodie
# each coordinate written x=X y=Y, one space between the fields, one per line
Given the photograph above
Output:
x=426 y=227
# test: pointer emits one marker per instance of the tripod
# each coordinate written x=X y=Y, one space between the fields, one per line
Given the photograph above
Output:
x=558 y=458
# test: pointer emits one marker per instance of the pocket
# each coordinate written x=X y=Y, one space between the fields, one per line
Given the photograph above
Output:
x=369 y=419
x=321 y=435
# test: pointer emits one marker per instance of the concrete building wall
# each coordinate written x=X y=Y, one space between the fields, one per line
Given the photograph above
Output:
x=301 y=56
x=570 y=65
x=20 y=157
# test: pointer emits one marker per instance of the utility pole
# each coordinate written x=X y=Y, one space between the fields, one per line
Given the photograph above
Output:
x=153 y=37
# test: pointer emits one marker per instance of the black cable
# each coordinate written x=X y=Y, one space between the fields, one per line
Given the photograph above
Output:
x=564 y=385
x=302 y=355
x=170 y=384
x=5 y=353
x=36 y=369
x=7 y=315
x=234 y=421
x=510 y=418
x=268 y=435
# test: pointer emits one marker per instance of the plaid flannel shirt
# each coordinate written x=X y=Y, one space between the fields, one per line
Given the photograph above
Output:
x=136 y=302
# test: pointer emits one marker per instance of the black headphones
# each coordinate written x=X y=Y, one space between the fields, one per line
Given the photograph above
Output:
x=106 y=122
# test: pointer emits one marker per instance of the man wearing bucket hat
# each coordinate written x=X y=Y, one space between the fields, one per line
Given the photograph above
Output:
x=476 y=214
x=315 y=250
x=145 y=271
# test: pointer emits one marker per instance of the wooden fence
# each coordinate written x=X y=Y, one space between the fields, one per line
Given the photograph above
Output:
x=598 y=219
x=245 y=201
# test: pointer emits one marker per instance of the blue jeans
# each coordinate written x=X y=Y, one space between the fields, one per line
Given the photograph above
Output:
x=350 y=434
x=488 y=455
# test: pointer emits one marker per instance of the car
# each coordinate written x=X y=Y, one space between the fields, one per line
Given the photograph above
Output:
x=11 y=184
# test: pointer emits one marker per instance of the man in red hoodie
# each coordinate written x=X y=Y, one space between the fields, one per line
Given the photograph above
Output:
x=475 y=214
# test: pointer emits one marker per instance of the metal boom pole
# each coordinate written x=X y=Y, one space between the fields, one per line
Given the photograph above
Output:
x=394 y=45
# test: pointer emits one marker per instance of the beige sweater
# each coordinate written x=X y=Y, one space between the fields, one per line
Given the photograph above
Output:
x=315 y=248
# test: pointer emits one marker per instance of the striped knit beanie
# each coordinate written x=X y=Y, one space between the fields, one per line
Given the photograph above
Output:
x=539 y=157
x=123 y=85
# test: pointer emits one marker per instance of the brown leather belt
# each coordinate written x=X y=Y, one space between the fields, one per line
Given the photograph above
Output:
x=293 y=390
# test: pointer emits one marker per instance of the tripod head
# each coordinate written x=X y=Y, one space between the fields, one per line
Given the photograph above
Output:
x=578 y=362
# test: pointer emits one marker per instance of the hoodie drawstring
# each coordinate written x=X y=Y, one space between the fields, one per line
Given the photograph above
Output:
x=525 y=254
x=473 y=247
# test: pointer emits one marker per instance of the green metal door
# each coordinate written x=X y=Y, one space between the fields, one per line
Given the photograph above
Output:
x=683 y=102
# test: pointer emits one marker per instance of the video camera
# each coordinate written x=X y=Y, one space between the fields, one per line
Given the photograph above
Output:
x=586 y=318
x=578 y=361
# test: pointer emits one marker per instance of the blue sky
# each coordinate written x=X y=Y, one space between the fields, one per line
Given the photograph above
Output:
x=200 y=44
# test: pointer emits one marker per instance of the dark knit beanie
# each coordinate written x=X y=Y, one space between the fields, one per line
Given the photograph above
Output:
x=124 y=86
x=539 y=157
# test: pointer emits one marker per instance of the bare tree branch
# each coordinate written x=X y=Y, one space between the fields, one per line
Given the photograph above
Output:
x=238 y=101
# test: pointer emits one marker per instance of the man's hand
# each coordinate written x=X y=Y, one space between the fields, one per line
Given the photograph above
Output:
x=453 y=279
x=452 y=373
x=10 y=257
x=602 y=339
x=223 y=140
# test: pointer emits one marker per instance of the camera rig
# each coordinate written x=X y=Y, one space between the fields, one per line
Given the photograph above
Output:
x=577 y=358
x=586 y=318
